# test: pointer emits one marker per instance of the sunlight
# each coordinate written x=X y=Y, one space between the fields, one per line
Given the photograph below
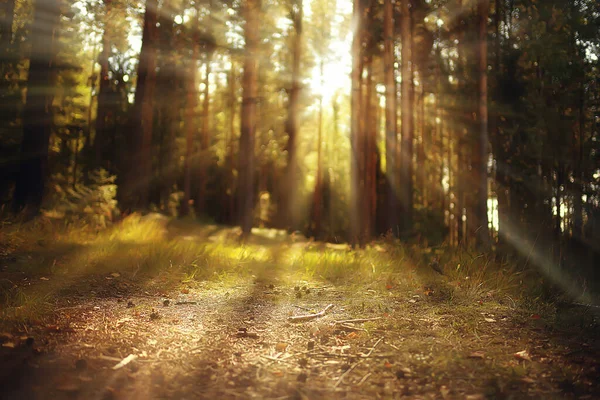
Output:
x=337 y=63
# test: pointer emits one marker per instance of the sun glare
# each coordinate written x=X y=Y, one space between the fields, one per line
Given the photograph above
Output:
x=337 y=63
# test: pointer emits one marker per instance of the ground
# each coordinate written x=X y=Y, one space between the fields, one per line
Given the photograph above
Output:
x=184 y=312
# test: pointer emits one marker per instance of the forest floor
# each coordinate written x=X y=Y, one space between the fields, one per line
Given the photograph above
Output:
x=153 y=309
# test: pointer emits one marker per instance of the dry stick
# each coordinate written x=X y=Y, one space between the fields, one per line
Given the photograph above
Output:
x=307 y=317
x=364 y=378
x=352 y=328
x=345 y=321
x=356 y=364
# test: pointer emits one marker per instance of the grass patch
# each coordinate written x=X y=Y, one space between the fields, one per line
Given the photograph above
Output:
x=144 y=248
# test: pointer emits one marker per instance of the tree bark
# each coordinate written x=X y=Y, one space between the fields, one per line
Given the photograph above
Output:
x=355 y=124
x=140 y=170
x=318 y=195
x=291 y=204
x=205 y=142
x=248 y=124
x=190 y=122
x=406 y=149
x=480 y=156
x=391 y=118
x=37 y=114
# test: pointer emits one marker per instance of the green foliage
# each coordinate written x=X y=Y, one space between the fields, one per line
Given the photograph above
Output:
x=94 y=203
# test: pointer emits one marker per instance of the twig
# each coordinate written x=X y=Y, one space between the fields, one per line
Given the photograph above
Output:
x=373 y=348
x=345 y=321
x=185 y=302
x=346 y=373
x=307 y=317
x=353 y=328
x=125 y=361
x=364 y=378
x=356 y=364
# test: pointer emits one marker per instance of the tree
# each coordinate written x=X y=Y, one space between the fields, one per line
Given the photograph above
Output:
x=37 y=114
x=139 y=171
x=190 y=112
x=291 y=196
x=406 y=148
x=480 y=156
x=248 y=124
x=391 y=119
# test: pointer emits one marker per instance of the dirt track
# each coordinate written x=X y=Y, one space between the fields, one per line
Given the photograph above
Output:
x=235 y=340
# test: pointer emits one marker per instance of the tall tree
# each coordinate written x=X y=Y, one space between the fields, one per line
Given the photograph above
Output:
x=37 y=115
x=480 y=157
x=406 y=148
x=140 y=171
x=190 y=112
x=355 y=109
x=391 y=119
x=249 y=117
x=291 y=197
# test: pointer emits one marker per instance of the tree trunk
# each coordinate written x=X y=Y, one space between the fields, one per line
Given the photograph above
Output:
x=190 y=121
x=248 y=124
x=406 y=149
x=37 y=114
x=140 y=170
x=355 y=125
x=103 y=93
x=291 y=204
x=480 y=156
x=230 y=141
x=205 y=142
x=318 y=195
x=391 y=119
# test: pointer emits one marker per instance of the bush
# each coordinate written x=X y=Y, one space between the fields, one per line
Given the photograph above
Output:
x=94 y=203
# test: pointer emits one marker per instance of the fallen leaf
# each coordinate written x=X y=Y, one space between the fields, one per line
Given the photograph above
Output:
x=277 y=373
x=535 y=316
x=9 y=345
x=185 y=291
x=281 y=347
x=522 y=355
x=412 y=301
x=491 y=320
x=477 y=354
x=351 y=335
x=527 y=379
x=43 y=278
x=387 y=364
x=444 y=391
x=115 y=274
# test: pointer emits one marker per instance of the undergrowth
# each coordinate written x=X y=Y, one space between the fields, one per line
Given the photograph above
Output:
x=141 y=248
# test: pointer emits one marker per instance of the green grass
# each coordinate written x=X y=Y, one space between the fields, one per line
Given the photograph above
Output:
x=180 y=252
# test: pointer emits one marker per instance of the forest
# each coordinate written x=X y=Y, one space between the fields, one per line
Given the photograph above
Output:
x=303 y=199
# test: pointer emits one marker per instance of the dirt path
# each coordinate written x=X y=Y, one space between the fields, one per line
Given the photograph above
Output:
x=235 y=340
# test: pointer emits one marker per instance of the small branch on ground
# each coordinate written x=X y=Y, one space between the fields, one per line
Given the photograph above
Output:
x=307 y=317
x=125 y=361
x=356 y=364
x=359 y=320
